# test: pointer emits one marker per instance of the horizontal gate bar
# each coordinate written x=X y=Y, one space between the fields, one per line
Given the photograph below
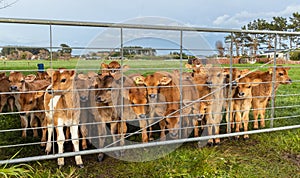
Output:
x=136 y=26
x=144 y=145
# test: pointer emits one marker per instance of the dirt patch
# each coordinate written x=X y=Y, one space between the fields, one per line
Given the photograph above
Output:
x=294 y=158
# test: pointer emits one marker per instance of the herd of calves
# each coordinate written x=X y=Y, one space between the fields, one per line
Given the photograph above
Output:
x=178 y=101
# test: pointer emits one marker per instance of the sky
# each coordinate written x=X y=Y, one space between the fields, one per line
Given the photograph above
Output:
x=195 y=13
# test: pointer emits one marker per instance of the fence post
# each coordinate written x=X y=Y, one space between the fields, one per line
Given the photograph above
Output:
x=273 y=85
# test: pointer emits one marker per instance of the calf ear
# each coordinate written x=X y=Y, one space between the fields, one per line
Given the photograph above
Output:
x=125 y=68
x=72 y=74
x=104 y=66
x=188 y=66
x=30 y=78
x=165 y=80
x=50 y=72
x=2 y=74
x=39 y=94
x=139 y=80
x=270 y=70
x=82 y=76
x=256 y=82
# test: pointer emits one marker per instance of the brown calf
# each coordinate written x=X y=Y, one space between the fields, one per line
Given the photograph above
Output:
x=263 y=91
x=163 y=96
x=62 y=103
x=20 y=83
x=242 y=102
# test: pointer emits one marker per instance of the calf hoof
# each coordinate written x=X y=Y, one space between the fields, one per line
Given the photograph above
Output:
x=236 y=137
x=210 y=144
x=151 y=139
x=246 y=138
x=100 y=157
x=80 y=166
x=60 y=166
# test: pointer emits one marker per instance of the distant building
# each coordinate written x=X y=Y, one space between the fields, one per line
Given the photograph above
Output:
x=282 y=54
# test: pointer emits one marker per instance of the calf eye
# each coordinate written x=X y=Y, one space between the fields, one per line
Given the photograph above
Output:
x=30 y=102
x=249 y=86
x=63 y=80
x=22 y=81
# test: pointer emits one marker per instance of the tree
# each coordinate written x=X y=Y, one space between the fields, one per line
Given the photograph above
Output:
x=65 y=51
x=220 y=48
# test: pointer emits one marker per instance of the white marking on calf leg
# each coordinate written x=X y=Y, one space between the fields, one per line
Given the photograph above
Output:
x=49 y=143
x=60 y=140
x=75 y=141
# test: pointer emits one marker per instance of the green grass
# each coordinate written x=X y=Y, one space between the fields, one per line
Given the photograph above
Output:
x=275 y=154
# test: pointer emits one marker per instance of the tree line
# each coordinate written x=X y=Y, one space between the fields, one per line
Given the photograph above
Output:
x=248 y=44
x=21 y=52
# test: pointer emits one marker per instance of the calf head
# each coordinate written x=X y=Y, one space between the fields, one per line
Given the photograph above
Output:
x=152 y=83
x=62 y=81
x=236 y=75
x=104 y=89
x=17 y=80
x=138 y=99
x=215 y=77
x=172 y=122
x=28 y=101
x=282 y=76
x=245 y=85
x=84 y=82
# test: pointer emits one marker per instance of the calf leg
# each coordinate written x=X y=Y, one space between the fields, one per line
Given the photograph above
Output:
x=24 y=125
x=102 y=132
x=255 y=116
x=60 y=144
x=262 y=113
x=217 y=123
x=49 y=143
x=245 y=121
x=143 y=126
x=75 y=141
x=34 y=125
x=162 y=125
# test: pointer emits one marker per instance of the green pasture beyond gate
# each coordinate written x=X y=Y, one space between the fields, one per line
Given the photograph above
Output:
x=275 y=154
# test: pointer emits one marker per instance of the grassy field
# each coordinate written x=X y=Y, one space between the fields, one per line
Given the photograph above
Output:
x=275 y=154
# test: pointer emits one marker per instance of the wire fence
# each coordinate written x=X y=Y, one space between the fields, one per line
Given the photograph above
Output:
x=143 y=101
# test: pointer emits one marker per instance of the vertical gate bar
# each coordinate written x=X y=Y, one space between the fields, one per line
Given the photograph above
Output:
x=122 y=84
x=180 y=85
x=273 y=85
x=230 y=85
x=51 y=67
x=51 y=47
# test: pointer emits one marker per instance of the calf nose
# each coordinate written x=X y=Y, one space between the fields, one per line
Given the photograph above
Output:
x=98 y=98
x=173 y=135
x=152 y=95
x=83 y=98
x=241 y=93
x=290 y=80
x=13 y=88
x=209 y=83
x=142 y=116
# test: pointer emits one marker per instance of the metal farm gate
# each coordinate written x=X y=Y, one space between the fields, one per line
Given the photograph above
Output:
x=121 y=39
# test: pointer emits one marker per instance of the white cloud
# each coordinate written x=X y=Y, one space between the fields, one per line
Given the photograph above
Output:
x=244 y=17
